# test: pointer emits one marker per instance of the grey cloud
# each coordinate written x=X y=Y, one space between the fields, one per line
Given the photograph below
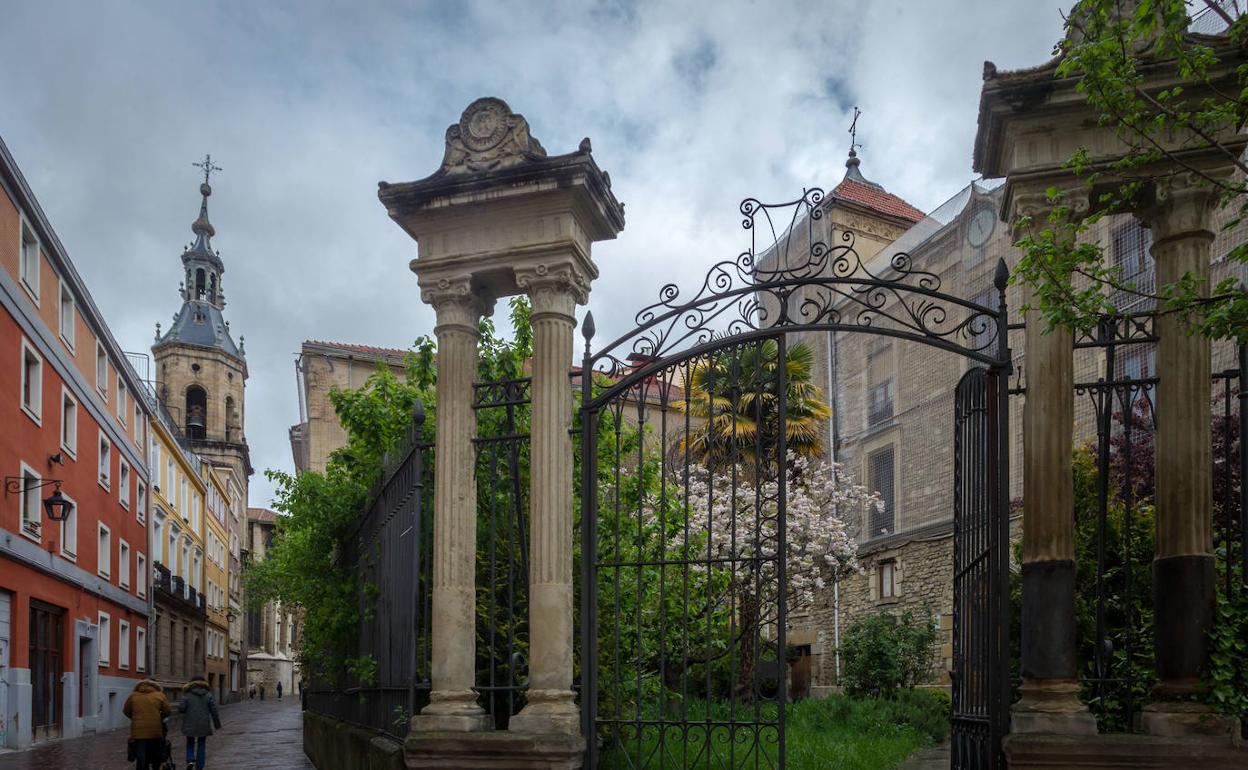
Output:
x=691 y=107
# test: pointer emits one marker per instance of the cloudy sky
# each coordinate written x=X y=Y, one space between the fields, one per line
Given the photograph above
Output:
x=691 y=107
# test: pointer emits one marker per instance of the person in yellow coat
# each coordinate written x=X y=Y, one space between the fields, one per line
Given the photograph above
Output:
x=147 y=708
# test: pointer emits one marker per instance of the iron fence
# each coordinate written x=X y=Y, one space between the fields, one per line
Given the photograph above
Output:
x=502 y=455
x=392 y=553
x=1114 y=524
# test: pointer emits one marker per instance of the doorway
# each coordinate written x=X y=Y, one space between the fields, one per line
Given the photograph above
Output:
x=47 y=664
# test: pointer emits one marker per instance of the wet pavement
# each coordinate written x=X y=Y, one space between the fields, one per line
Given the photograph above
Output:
x=255 y=735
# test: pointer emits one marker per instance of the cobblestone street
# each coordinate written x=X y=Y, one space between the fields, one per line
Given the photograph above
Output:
x=255 y=735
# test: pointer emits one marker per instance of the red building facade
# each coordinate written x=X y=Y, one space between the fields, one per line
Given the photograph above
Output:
x=74 y=595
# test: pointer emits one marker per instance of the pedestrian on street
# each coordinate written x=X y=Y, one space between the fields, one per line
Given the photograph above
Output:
x=251 y=694
x=279 y=690
x=200 y=716
x=147 y=707
x=262 y=691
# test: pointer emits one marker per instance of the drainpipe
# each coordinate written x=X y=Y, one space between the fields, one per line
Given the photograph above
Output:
x=836 y=623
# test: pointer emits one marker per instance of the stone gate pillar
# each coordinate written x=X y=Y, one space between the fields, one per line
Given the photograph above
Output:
x=551 y=705
x=500 y=218
x=1180 y=216
x=1050 y=690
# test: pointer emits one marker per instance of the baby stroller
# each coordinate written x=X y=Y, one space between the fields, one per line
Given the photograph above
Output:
x=166 y=757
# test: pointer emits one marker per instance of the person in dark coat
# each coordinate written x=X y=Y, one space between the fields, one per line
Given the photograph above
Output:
x=279 y=690
x=200 y=715
x=147 y=708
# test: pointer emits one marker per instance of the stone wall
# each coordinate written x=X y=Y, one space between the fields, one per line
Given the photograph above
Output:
x=332 y=744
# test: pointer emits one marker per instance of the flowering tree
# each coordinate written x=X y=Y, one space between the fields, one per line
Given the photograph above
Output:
x=707 y=546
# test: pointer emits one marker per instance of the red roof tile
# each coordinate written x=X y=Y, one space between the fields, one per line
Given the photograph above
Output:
x=367 y=349
x=877 y=199
x=261 y=514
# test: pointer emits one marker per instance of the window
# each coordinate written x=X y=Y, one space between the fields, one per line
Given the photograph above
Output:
x=1131 y=247
x=140 y=575
x=123 y=644
x=172 y=554
x=140 y=649
x=105 y=552
x=101 y=369
x=140 y=500
x=123 y=483
x=106 y=461
x=170 y=483
x=880 y=477
x=122 y=403
x=67 y=316
x=880 y=374
x=69 y=423
x=30 y=502
x=69 y=532
x=195 y=510
x=30 y=262
x=183 y=497
x=886 y=573
x=158 y=534
x=32 y=382
x=195 y=570
x=104 y=621
x=123 y=564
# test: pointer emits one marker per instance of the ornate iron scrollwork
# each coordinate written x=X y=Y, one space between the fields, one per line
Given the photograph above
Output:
x=796 y=279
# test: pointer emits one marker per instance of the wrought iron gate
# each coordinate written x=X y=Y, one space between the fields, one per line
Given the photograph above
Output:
x=980 y=677
x=692 y=430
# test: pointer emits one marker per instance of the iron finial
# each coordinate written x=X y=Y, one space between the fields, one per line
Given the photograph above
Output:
x=587 y=328
x=1001 y=277
x=418 y=412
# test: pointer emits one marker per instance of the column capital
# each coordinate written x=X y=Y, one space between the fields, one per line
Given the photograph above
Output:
x=1182 y=205
x=1035 y=204
x=457 y=303
x=554 y=288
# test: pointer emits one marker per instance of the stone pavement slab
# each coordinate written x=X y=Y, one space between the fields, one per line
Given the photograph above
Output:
x=255 y=735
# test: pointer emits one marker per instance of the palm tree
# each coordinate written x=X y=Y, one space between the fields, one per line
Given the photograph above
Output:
x=734 y=392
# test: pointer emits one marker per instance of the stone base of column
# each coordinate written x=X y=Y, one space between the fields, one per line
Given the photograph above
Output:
x=455 y=712
x=1051 y=706
x=548 y=712
x=1120 y=752
x=501 y=750
x=1189 y=720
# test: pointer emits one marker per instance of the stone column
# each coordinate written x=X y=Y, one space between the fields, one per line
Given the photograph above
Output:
x=1181 y=218
x=551 y=704
x=452 y=701
x=1050 y=702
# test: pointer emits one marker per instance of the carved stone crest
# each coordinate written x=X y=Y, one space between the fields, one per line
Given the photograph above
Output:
x=488 y=137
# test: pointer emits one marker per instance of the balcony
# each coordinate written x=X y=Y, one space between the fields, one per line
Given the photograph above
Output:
x=178 y=592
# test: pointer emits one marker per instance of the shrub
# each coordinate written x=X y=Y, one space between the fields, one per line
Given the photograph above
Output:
x=882 y=653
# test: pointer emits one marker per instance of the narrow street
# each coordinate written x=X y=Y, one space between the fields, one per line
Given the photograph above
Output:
x=256 y=735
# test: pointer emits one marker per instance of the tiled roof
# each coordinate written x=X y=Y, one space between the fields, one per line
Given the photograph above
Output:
x=371 y=350
x=261 y=514
x=875 y=198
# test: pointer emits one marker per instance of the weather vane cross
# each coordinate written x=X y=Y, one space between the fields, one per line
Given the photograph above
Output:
x=853 y=130
x=208 y=166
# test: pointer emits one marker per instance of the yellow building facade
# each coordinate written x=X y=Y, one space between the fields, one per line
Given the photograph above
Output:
x=179 y=493
x=216 y=581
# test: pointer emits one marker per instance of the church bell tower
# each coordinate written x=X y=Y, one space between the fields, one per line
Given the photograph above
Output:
x=201 y=373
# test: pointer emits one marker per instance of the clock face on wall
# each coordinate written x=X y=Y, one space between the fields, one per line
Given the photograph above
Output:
x=979 y=229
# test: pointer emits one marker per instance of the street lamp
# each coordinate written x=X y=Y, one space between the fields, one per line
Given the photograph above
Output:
x=56 y=505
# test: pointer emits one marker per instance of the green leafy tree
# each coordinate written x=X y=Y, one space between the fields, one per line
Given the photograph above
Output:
x=882 y=653
x=1111 y=47
x=734 y=397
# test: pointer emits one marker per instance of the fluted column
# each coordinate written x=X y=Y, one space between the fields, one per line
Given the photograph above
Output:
x=1049 y=702
x=452 y=701
x=1181 y=219
x=551 y=706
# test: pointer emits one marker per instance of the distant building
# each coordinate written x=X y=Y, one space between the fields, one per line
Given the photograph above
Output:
x=73 y=594
x=323 y=366
x=177 y=548
x=201 y=376
x=272 y=632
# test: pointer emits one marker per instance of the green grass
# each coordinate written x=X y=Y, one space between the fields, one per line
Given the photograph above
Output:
x=836 y=733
